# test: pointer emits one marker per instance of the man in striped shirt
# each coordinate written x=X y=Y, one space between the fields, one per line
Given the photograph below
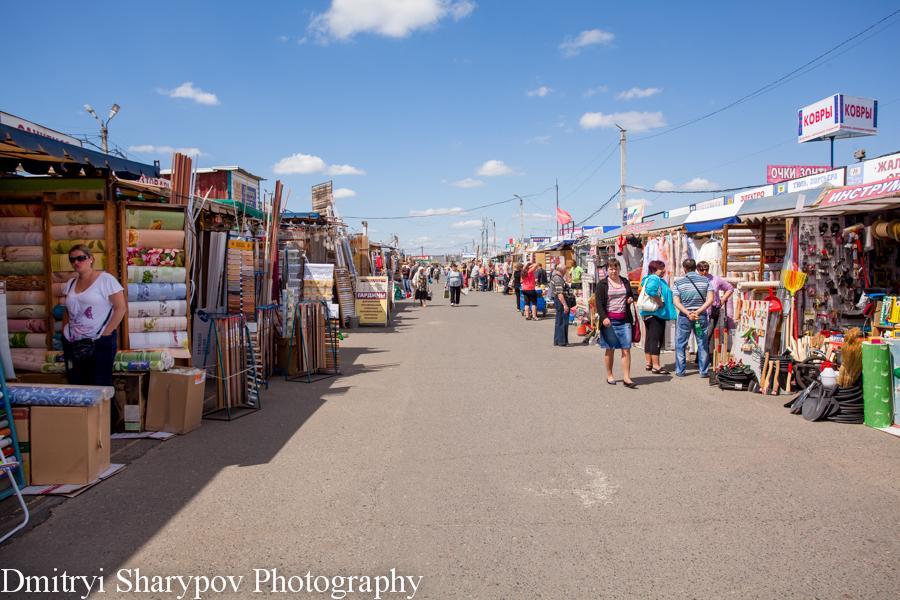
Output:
x=693 y=295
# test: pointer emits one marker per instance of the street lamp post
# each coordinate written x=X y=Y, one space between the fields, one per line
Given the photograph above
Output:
x=104 y=125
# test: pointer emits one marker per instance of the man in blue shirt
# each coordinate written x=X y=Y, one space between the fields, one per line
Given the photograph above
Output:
x=692 y=295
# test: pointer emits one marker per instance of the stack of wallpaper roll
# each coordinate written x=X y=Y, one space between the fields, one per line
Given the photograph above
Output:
x=22 y=268
x=70 y=228
x=131 y=360
x=157 y=293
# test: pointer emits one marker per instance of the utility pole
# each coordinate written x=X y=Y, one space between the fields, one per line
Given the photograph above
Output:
x=521 y=218
x=494 y=225
x=104 y=125
x=621 y=174
x=557 y=208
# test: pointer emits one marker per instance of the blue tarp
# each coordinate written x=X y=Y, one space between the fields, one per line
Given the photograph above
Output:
x=36 y=152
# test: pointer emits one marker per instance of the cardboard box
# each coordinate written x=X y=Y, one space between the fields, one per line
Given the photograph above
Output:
x=22 y=419
x=131 y=401
x=69 y=444
x=175 y=403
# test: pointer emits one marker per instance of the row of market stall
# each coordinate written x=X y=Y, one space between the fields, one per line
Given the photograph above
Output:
x=222 y=293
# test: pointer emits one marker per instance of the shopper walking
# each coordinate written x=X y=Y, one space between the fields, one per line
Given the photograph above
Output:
x=517 y=285
x=575 y=274
x=475 y=276
x=454 y=284
x=405 y=273
x=614 y=298
x=529 y=293
x=95 y=306
x=692 y=295
x=421 y=285
x=656 y=288
x=561 y=296
x=720 y=313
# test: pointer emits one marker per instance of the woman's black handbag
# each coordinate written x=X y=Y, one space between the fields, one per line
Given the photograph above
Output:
x=82 y=349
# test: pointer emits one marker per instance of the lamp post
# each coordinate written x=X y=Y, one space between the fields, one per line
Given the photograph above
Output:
x=104 y=125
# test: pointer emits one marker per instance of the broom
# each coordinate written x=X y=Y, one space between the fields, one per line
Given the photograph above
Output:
x=793 y=279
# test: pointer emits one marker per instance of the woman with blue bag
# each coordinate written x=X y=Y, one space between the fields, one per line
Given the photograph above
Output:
x=656 y=306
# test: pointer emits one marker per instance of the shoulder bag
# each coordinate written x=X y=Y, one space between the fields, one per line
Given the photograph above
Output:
x=83 y=349
x=648 y=303
x=636 y=329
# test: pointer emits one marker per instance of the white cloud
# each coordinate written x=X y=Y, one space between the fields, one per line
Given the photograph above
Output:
x=698 y=184
x=307 y=164
x=495 y=168
x=540 y=92
x=573 y=46
x=600 y=89
x=187 y=90
x=391 y=18
x=632 y=121
x=637 y=92
x=421 y=240
x=664 y=185
x=151 y=149
x=466 y=224
x=344 y=170
x=539 y=217
x=539 y=139
x=430 y=212
x=343 y=193
x=468 y=182
x=283 y=38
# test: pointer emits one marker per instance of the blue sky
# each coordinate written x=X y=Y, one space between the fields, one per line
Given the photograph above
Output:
x=443 y=104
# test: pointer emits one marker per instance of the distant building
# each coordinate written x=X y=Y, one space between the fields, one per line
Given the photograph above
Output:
x=227 y=183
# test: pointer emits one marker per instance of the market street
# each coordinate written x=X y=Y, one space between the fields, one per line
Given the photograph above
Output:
x=462 y=447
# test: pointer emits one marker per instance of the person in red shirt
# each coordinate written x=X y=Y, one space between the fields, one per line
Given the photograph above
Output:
x=529 y=293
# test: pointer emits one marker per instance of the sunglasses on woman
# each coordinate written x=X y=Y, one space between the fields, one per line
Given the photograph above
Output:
x=79 y=258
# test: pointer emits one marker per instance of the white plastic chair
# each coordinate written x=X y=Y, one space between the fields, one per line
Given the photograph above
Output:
x=6 y=468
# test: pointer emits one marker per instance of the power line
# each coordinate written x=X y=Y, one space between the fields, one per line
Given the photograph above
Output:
x=589 y=177
x=771 y=85
x=602 y=206
x=652 y=191
x=455 y=213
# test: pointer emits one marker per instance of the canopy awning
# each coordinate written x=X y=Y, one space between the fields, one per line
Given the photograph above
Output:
x=670 y=223
x=36 y=154
x=776 y=206
x=711 y=219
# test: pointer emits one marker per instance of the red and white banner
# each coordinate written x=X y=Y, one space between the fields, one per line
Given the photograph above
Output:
x=562 y=216
x=779 y=173
x=861 y=193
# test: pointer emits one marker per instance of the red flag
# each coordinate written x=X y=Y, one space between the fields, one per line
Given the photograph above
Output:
x=562 y=216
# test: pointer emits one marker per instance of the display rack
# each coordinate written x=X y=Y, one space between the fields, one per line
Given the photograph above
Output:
x=313 y=367
x=229 y=340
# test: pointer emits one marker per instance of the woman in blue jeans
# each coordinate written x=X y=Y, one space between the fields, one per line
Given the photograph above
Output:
x=614 y=298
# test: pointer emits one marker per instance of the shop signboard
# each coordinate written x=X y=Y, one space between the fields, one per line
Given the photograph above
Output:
x=834 y=178
x=779 y=173
x=861 y=193
x=244 y=190
x=875 y=169
x=29 y=127
x=372 y=300
x=837 y=116
x=720 y=201
x=753 y=194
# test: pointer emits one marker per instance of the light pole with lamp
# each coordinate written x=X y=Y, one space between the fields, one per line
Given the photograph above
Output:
x=104 y=125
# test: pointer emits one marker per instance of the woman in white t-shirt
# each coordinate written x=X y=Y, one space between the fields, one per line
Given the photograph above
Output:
x=95 y=305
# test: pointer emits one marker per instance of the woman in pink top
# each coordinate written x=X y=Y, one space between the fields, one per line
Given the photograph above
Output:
x=528 y=291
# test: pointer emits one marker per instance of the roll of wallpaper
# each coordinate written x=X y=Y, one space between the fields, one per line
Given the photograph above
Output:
x=21 y=268
x=20 y=210
x=77 y=232
x=876 y=376
x=26 y=325
x=63 y=246
x=59 y=290
x=21 y=238
x=158 y=339
x=171 y=308
x=22 y=394
x=140 y=365
x=28 y=359
x=62 y=277
x=60 y=262
x=25 y=283
x=154 y=219
x=53 y=368
x=76 y=217
x=148 y=324
x=21 y=224
x=5 y=356
x=21 y=253
x=160 y=356
x=156 y=257
x=156 y=238
x=144 y=292
x=51 y=356
x=26 y=311
x=156 y=274
x=32 y=297
x=28 y=340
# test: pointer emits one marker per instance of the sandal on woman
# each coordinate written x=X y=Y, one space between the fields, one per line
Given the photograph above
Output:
x=660 y=372
x=649 y=368
x=611 y=381
x=630 y=385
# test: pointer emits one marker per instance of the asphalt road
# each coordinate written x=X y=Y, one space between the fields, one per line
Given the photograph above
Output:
x=462 y=447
